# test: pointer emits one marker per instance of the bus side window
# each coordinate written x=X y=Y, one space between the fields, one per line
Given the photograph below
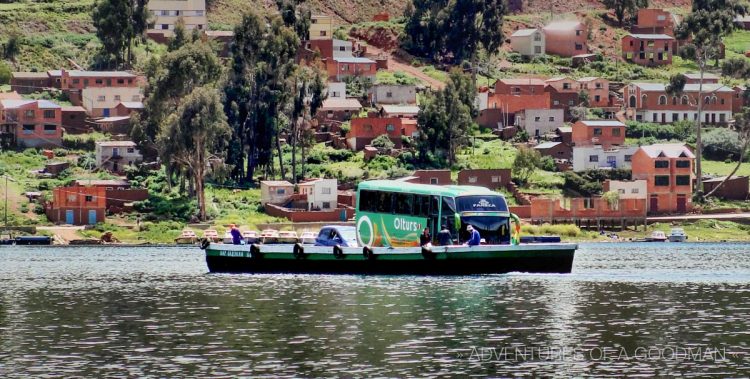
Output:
x=403 y=204
x=368 y=201
x=434 y=205
x=384 y=202
x=422 y=205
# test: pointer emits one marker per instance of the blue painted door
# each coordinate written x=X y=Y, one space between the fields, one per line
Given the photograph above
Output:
x=106 y=112
x=69 y=217
x=92 y=217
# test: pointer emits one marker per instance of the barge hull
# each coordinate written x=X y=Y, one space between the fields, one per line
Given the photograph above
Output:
x=462 y=261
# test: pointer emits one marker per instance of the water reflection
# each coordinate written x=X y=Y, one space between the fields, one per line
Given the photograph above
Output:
x=155 y=312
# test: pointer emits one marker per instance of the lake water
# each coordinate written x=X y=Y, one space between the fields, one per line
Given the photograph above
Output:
x=627 y=309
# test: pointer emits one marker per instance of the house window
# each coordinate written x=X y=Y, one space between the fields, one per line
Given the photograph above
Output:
x=472 y=179
x=621 y=190
x=634 y=190
x=593 y=158
x=616 y=132
x=329 y=114
x=131 y=150
x=50 y=129
x=49 y=114
x=661 y=180
x=566 y=85
x=537 y=37
x=537 y=119
x=72 y=198
x=661 y=164
x=597 y=98
x=28 y=129
x=571 y=103
x=662 y=100
x=579 y=32
x=682 y=180
x=552 y=119
x=654 y=116
x=280 y=191
x=721 y=101
x=588 y=203
x=495 y=179
x=136 y=98
x=120 y=81
x=556 y=102
x=390 y=128
x=389 y=94
x=89 y=198
x=99 y=81
x=628 y=158
x=29 y=113
x=598 y=86
x=684 y=100
x=597 y=131
x=682 y=164
x=537 y=49
x=344 y=67
x=117 y=97
x=100 y=98
x=433 y=180
x=326 y=204
x=579 y=46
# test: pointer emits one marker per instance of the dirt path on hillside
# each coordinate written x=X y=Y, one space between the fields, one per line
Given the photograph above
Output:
x=397 y=64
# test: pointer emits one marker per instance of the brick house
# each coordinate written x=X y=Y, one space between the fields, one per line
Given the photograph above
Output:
x=113 y=156
x=510 y=97
x=556 y=150
x=735 y=188
x=590 y=209
x=77 y=205
x=167 y=13
x=654 y=21
x=364 y=130
x=739 y=99
x=31 y=123
x=342 y=67
x=650 y=102
x=73 y=82
x=337 y=110
x=627 y=189
x=126 y=108
x=597 y=90
x=437 y=177
x=668 y=171
x=648 y=49
x=393 y=94
x=528 y=42
x=275 y=191
x=563 y=94
x=29 y=82
x=74 y=119
x=489 y=178
x=695 y=78
x=566 y=38
x=606 y=133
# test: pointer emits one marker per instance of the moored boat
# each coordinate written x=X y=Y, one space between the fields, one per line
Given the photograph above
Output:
x=186 y=237
x=677 y=235
x=656 y=236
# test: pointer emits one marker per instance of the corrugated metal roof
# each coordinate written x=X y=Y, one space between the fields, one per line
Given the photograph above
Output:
x=602 y=123
x=669 y=150
x=353 y=60
x=523 y=32
x=547 y=145
x=116 y=143
x=652 y=36
x=15 y=103
x=339 y=103
x=400 y=109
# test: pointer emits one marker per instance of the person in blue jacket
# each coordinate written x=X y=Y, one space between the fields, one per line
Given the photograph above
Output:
x=236 y=235
x=475 y=238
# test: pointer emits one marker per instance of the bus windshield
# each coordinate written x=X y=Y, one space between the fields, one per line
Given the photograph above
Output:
x=481 y=203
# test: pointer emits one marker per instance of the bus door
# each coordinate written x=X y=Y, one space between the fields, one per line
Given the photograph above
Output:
x=434 y=216
x=448 y=217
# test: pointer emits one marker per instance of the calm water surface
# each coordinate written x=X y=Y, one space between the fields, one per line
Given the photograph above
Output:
x=627 y=309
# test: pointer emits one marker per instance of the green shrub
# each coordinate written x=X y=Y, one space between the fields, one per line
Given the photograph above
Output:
x=720 y=144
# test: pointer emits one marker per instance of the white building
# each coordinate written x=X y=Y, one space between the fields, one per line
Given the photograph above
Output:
x=628 y=189
x=401 y=111
x=528 y=42
x=596 y=157
x=101 y=101
x=538 y=122
x=321 y=193
x=393 y=94
x=336 y=90
x=342 y=49
x=113 y=156
x=166 y=14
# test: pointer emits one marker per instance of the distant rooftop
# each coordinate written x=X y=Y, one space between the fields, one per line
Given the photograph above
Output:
x=15 y=103
x=524 y=32
x=668 y=150
x=602 y=123
x=353 y=60
x=116 y=143
x=401 y=109
x=522 y=81
x=336 y=103
x=547 y=145
x=652 y=36
x=29 y=75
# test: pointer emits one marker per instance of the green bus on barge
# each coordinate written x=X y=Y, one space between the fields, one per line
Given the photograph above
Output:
x=390 y=216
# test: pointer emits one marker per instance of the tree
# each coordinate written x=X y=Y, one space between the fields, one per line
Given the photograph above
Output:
x=445 y=119
x=624 y=7
x=742 y=127
x=12 y=45
x=258 y=91
x=453 y=30
x=705 y=26
x=175 y=76
x=194 y=135
x=296 y=16
x=179 y=37
x=309 y=96
x=118 y=23
x=527 y=161
x=383 y=143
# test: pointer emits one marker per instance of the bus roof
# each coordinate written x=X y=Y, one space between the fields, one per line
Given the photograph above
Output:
x=424 y=189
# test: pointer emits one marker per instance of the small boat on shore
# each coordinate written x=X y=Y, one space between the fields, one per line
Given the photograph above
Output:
x=677 y=235
x=656 y=236
x=187 y=237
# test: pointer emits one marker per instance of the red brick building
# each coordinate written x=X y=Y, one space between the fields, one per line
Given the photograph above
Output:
x=337 y=110
x=489 y=178
x=31 y=123
x=29 y=82
x=597 y=90
x=650 y=102
x=556 y=150
x=654 y=21
x=566 y=38
x=606 y=133
x=77 y=205
x=74 y=120
x=510 y=97
x=340 y=68
x=437 y=177
x=735 y=188
x=648 y=49
x=668 y=171
x=364 y=130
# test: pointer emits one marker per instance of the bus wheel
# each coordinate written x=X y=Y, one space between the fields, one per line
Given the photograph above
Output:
x=338 y=252
x=298 y=251
x=367 y=253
